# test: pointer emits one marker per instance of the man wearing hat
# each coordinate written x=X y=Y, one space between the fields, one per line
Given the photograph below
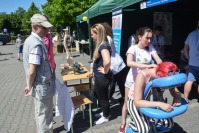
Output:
x=19 y=44
x=39 y=77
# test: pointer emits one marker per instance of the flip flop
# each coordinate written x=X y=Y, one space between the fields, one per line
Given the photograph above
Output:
x=187 y=101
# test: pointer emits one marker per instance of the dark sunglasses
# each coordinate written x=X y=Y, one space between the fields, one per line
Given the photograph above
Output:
x=43 y=27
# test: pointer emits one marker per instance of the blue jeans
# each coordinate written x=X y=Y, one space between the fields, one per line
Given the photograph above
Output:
x=193 y=73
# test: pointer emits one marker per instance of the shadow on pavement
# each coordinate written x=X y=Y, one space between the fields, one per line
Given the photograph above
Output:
x=59 y=129
x=6 y=54
x=4 y=59
x=76 y=55
x=8 y=44
x=177 y=129
x=81 y=125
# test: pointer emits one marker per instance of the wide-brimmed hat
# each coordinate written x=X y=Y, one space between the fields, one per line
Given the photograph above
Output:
x=41 y=20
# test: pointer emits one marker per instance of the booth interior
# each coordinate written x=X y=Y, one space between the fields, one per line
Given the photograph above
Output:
x=177 y=19
x=83 y=35
x=83 y=30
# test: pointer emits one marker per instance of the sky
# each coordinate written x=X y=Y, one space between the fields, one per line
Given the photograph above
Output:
x=9 y=6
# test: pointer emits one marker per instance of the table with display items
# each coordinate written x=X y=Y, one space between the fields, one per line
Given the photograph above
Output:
x=68 y=74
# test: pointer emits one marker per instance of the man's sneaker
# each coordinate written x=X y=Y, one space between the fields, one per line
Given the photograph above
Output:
x=99 y=115
x=122 y=129
x=102 y=120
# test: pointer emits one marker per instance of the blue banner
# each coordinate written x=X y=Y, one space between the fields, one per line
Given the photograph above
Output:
x=117 y=27
x=151 y=3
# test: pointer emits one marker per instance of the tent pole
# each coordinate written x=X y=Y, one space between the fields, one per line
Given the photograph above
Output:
x=89 y=35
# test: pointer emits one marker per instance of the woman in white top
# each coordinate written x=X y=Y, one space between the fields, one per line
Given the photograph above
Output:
x=139 y=57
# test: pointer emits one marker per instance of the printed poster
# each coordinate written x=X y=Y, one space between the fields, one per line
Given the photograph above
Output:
x=117 y=27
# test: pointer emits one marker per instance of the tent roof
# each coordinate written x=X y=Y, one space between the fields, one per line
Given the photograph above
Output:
x=105 y=6
x=86 y=13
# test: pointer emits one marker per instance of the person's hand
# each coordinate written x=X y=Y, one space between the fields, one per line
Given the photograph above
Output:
x=176 y=96
x=101 y=69
x=152 y=66
x=55 y=65
x=27 y=91
x=54 y=74
x=90 y=74
x=166 y=107
x=177 y=99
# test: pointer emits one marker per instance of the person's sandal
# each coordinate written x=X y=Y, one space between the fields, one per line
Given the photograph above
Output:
x=187 y=101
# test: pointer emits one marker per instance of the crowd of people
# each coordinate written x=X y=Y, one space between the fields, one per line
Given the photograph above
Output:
x=145 y=48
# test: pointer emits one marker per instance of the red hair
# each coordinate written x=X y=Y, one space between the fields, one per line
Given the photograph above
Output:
x=165 y=68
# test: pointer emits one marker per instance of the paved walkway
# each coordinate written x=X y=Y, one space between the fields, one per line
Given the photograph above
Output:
x=17 y=111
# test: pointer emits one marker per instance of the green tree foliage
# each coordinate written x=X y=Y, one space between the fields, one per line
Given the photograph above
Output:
x=16 y=20
x=64 y=12
x=4 y=22
x=60 y=13
x=31 y=11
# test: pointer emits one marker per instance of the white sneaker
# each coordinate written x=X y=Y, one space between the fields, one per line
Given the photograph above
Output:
x=102 y=120
x=99 y=115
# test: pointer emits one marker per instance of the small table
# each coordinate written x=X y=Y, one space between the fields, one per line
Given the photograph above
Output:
x=70 y=76
x=81 y=99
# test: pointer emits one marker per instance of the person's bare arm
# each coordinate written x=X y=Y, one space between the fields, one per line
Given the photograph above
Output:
x=32 y=75
x=156 y=58
x=186 y=51
x=90 y=73
x=138 y=93
x=106 y=61
x=134 y=64
x=176 y=96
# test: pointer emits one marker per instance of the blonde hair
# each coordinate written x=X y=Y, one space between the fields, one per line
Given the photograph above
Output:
x=99 y=30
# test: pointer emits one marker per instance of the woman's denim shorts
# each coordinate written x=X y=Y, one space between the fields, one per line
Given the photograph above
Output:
x=193 y=73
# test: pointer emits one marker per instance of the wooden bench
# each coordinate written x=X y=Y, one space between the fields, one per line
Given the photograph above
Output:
x=81 y=101
x=83 y=87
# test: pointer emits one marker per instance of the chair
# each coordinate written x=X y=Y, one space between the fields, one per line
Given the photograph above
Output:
x=163 y=83
x=81 y=101
x=83 y=87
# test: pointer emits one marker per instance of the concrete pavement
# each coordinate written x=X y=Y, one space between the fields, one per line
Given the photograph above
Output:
x=17 y=111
